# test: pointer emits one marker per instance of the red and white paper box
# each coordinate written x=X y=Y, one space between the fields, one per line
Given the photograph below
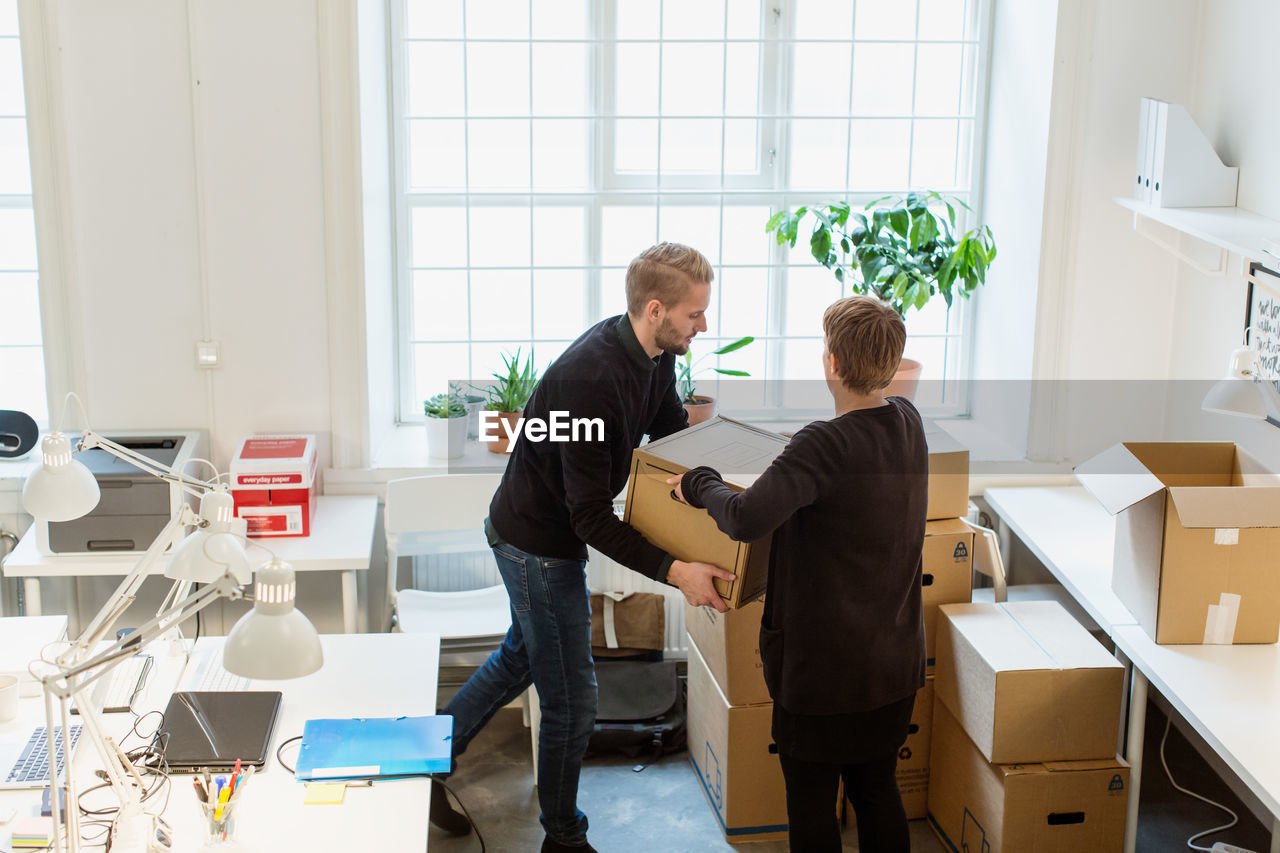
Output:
x=274 y=484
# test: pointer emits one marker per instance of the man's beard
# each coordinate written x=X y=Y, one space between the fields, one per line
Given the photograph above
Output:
x=668 y=338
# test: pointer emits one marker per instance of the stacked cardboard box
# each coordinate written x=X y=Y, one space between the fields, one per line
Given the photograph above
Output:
x=1027 y=712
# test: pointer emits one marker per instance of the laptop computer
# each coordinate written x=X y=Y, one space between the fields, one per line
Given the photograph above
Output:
x=210 y=730
x=24 y=757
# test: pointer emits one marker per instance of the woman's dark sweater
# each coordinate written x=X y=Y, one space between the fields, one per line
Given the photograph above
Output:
x=842 y=628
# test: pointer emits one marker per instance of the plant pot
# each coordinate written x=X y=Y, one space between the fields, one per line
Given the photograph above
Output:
x=446 y=437
x=700 y=411
x=905 y=380
x=496 y=428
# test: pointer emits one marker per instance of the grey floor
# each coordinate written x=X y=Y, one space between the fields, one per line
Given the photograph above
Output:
x=662 y=809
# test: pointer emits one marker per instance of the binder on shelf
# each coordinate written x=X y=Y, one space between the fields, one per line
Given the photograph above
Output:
x=1146 y=148
x=373 y=747
x=1186 y=171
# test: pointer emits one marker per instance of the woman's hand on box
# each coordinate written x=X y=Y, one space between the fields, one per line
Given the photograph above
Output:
x=676 y=492
x=695 y=581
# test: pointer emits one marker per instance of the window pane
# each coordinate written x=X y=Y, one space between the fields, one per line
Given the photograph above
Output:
x=435 y=79
x=23 y=386
x=565 y=19
x=545 y=352
x=434 y=19
x=487 y=357
x=823 y=19
x=810 y=289
x=8 y=17
x=933 y=154
x=498 y=19
x=497 y=79
x=560 y=79
x=560 y=154
x=20 y=319
x=18 y=248
x=802 y=367
x=692 y=79
x=745 y=240
x=559 y=236
x=968 y=80
x=637 y=145
x=742 y=90
x=613 y=290
x=11 y=100
x=693 y=19
x=742 y=146
x=15 y=168
x=819 y=149
x=744 y=20
x=691 y=145
x=439 y=237
x=498 y=154
x=882 y=79
x=637 y=75
x=626 y=232
x=694 y=225
x=440 y=306
x=930 y=352
x=744 y=304
x=933 y=318
x=878 y=154
x=942 y=19
x=938 y=79
x=435 y=366
x=821 y=84
x=499 y=237
x=499 y=304
x=558 y=299
x=436 y=154
x=637 y=19
x=885 y=20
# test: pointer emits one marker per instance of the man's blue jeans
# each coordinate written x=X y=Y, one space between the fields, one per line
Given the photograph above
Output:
x=549 y=645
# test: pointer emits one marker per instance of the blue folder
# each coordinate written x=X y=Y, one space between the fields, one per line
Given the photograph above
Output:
x=366 y=747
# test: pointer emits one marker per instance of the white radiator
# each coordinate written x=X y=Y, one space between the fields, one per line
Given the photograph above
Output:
x=476 y=569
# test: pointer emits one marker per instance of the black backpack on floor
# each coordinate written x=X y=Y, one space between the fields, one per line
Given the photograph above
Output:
x=641 y=709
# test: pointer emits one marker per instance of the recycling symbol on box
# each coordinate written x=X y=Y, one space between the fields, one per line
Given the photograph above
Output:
x=904 y=754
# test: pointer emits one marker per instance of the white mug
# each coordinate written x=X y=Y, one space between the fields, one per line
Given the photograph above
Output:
x=8 y=697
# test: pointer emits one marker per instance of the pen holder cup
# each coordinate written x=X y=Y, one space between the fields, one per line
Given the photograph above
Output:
x=219 y=824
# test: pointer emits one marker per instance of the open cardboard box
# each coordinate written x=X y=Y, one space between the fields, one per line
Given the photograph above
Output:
x=1197 y=531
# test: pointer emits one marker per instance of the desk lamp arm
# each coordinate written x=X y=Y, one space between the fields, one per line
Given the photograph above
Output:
x=194 y=486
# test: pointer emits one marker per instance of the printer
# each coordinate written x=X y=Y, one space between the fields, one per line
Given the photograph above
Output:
x=135 y=505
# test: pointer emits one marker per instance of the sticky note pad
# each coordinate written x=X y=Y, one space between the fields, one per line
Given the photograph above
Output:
x=33 y=832
x=325 y=793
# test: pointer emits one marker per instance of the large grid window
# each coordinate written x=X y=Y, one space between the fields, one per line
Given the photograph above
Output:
x=21 y=351
x=541 y=144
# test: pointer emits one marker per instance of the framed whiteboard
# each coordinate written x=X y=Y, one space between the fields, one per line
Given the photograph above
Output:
x=1262 y=324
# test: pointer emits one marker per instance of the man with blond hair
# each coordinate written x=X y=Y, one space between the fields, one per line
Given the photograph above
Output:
x=841 y=637
x=556 y=498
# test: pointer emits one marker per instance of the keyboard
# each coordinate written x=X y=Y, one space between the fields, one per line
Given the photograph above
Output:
x=33 y=763
x=216 y=679
x=118 y=689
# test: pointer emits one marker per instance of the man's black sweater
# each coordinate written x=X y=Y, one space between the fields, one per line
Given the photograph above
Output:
x=557 y=497
x=842 y=629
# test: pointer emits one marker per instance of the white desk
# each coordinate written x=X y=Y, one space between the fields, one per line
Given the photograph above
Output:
x=374 y=675
x=1230 y=695
x=341 y=540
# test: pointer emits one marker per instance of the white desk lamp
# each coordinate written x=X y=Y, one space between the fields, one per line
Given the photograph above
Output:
x=1236 y=393
x=274 y=640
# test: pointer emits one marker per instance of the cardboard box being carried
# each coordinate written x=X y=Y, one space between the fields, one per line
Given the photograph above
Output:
x=729 y=750
x=730 y=647
x=913 y=757
x=1049 y=807
x=1197 y=531
x=948 y=474
x=740 y=453
x=274 y=484
x=947 y=576
x=1027 y=682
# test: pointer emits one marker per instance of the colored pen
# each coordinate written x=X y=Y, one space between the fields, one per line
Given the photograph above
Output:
x=200 y=791
x=223 y=796
x=235 y=775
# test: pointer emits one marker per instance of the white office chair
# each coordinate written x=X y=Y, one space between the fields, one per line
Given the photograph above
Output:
x=444 y=514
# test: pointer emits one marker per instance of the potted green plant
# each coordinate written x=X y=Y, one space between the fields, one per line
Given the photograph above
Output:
x=700 y=407
x=903 y=250
x=446 y=425
x=507 y=397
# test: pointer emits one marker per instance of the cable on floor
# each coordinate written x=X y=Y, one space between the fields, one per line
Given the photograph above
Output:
x=1168 y=724
x=474 y=826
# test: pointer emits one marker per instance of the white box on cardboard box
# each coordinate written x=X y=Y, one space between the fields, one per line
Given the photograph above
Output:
x=274 y=484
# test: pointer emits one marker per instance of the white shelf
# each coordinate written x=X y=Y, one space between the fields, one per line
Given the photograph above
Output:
x=1232 y=229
